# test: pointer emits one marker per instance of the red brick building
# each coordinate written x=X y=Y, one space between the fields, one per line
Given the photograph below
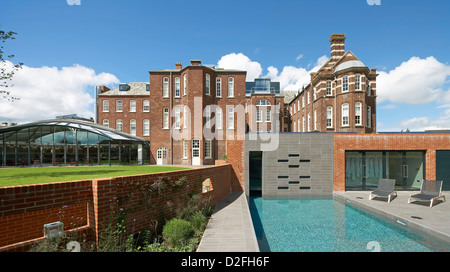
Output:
x=340 y=98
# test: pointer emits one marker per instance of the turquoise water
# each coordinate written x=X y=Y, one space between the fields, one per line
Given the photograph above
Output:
x=326 y=225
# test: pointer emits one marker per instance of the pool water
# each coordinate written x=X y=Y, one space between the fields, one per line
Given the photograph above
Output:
x=326 y=225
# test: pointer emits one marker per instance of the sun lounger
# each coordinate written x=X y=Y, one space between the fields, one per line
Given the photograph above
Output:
x=430 y=190
x=385 y=189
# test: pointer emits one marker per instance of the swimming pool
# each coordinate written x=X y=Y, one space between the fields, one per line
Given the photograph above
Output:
x=327 y=225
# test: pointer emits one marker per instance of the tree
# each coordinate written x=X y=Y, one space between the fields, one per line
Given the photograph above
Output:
x=7 y=72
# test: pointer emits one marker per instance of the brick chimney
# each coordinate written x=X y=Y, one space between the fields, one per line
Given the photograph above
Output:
x=178 y=66
x=337 y=46
x=103 y=89
x=196 y=62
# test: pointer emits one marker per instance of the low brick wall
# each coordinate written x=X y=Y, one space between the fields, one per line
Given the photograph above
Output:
x=86 y=206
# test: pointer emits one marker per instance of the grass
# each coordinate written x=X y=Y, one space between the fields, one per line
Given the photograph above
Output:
x=36 y=175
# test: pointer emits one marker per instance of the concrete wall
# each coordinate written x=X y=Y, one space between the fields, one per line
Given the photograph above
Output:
x=300 y=165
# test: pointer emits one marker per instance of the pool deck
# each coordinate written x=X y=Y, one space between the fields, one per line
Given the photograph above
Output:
x=230 y=228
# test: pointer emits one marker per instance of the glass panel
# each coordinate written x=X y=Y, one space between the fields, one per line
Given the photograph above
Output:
x=47 y=135
x=83 y=155
x=125 y=154
x=35 y=135
x=93 y=154
x=104 y=154
x=82 y=137
x=59 y=155
x=58 y=135
x=22 y=136
x=71 y=154
x=394 y=167
x=10 y=138
x=134 y=154
x=442 y=168
x=22 y=155
x=71 y=136
x=10 y=155
x=353 y=170
x=47 y=154
x=92 y=139
x=414 y=169
x=35 y=155
x=373 y=168
x=115 y=154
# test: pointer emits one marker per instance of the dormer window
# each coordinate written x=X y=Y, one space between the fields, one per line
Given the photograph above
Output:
x=124 y=87
x=147 y=87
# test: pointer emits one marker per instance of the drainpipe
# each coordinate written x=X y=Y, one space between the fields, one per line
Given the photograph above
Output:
x=170 y=122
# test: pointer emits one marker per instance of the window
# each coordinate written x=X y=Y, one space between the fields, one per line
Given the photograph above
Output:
x=147 y=87
x=329 y=117
x=132 y=105
x=230 y=118
x=119 y=125
x=298 y=125
x=345 y=117
x=185 y=117
x=369 y=116
x=298 y=104
x=123 y=87
x=208 y=116
x=268 y=115
x=207 y=84
x=258 y=115
x=177 y=118
x=230 y=87
x=218 y=118
x=345 y=84
x=308 y=98
x=295 y=128
x=303 y=101
x=329 y=88
x=185 y=149
x=184 y=84
x=315 y=120
x=315 y=93
x=218 y=87
x=166 y=87
x=146 y=127
x=146 y=106
x=309 y=122
x=177 y=87
x=358 y=113
x=166 y=118
x=295 y=111
x=263 y=102
x=133 y=127
x=357 y=82
x=304 y=124
x=105 y=105
x=119 y=106
x=106 y=122
x=207 y=148
x=368 y=88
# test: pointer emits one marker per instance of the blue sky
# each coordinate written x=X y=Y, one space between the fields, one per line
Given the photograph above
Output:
x=106 y=42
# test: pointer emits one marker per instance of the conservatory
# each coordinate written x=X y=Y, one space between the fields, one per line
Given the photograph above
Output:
x=69 y=140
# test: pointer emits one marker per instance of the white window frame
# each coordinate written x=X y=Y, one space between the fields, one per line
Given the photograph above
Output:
x=185 y=117
x=329 y=117
x=146 y=127
x=119 y=106
x=165 y=87
x=132 y=105
x=258 y=116
x=177 y=87
x=268 y=115
x=105 y=106
x=230 y=87
x=358 y=114
x=208 y=149
x=106 y=123
x=345 y=112
x=165 y=123
x=304 y=123
x=133 y=127
x=208 y=117
x=184 y=84
x=177 y=124
x=329 y=88
x=230 y=118
x=185 y=150
x=218 y=87
x=315 y=120
x=146 y=106
x=219 y=118
x=357 y=82
x=119 y=125
x=208 y=84
x=309 y=121
x=345 y=84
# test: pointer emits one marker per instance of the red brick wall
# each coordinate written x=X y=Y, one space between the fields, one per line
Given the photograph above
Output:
x=417 y=142
x=88 y=204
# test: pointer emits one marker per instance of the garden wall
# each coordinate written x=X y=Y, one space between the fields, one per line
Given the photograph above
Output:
x=85 y=207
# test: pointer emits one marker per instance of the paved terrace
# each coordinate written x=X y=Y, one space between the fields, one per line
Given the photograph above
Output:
x=230 y=228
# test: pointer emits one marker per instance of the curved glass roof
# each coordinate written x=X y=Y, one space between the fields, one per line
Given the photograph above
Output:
x=78 y=123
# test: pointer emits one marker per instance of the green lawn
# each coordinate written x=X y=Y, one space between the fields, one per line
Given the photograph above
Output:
x=35 y=175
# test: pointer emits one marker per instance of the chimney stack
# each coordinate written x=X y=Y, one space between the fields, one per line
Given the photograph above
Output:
x=337 y=46
x=196 y=62
x=178 y=66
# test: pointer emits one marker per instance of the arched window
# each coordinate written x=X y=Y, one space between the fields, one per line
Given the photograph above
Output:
x=329 y=117
x=165 y=118
x=219 y=87
x=207 y=84
x=358 y=113
x=263 y=102
x=166 y=87
x=230 y=87
x=345 y=114
x=177 y=87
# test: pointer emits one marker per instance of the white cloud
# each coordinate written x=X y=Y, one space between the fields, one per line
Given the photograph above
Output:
x=47 y=92
x=425 y=123
x=290 y=78
x=299 y=57
x=241 y=62
x=415 y=82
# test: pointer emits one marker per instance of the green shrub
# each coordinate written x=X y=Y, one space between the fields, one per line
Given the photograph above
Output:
x=198 y=220
x=177 y=231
